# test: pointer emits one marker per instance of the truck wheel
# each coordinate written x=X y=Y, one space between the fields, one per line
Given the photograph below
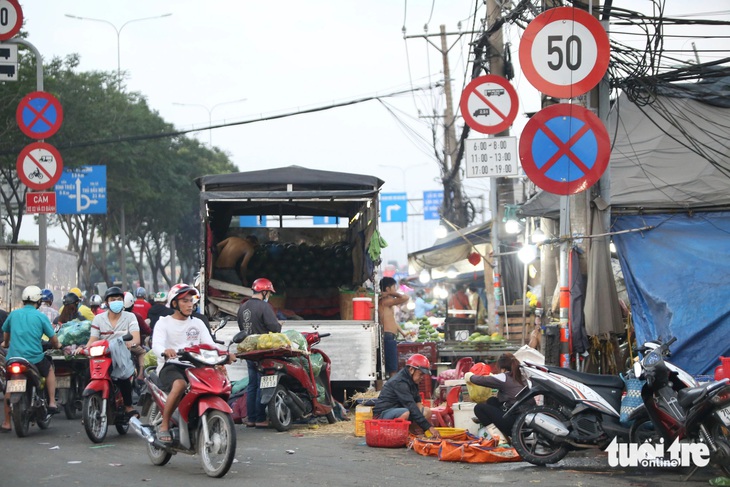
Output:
x=280 y=415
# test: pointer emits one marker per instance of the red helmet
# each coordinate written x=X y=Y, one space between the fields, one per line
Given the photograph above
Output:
x=419 y=362
x=262 y=284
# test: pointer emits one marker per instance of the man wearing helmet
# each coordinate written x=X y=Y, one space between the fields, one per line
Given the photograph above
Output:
x=47 y=305
x=159 y=309
x=172 y=333
x=256 y=316
x=112 y=324
x=22 y=333
x=83 y=309
x=400 y=397
x=95 y=304
x=141 y=305
x=145 y=332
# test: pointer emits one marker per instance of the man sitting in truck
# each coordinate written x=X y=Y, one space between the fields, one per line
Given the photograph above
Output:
x=230 y=252
x=389 y=297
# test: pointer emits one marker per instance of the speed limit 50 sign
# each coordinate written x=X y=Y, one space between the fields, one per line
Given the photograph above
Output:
x=564 y=52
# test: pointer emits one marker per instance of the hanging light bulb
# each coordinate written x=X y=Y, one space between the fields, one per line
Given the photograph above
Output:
x=512 y=226
x=451 y=272
x=527 y=253
x=440 y=292
x=538 y=236
x=424 y=276
x=411 y=305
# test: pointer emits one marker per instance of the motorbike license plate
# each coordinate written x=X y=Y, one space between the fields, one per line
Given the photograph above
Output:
x=724 y=415
x=268 y=381
x=63 y=382
x=17 y=385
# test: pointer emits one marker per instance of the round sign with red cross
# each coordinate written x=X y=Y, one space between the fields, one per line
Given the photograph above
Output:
x=489 y=104
x=39 y=165
x=564 y=149
x=564 y=52
x=39 y=115
x=11 y=19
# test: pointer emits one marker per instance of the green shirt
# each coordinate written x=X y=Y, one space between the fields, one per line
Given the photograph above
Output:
x=27 y=326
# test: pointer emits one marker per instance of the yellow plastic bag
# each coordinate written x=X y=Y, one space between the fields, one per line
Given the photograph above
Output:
x=273 y=340
x=248 y=344
x=478 y=393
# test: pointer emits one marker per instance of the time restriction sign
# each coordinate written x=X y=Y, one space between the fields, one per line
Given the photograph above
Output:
x=564 y=52
x=493 y=157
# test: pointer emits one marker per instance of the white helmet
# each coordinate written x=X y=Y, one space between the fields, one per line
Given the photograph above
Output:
x=179 y=289
x=128 y=300
x=96 y=300
x=31 y=294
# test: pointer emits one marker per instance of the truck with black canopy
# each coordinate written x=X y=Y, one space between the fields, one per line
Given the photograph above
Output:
x=317 y=234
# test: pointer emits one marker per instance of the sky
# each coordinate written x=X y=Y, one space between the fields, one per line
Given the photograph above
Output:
x=227 y=60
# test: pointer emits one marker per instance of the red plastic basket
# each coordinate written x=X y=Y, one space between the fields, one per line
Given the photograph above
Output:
x=386 y=433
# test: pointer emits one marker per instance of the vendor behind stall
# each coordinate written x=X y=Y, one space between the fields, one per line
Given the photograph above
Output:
x=400 y=397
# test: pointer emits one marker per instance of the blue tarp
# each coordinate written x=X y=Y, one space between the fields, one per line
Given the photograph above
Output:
x=678 y=280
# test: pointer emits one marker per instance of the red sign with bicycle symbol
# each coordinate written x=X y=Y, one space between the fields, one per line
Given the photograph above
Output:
x=39 y=166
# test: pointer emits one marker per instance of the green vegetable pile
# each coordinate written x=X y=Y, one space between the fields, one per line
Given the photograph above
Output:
x=478 y=337
x=426 y=331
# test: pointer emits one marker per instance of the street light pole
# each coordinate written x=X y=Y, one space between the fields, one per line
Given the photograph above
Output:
x=122 y=223
x=210 y=113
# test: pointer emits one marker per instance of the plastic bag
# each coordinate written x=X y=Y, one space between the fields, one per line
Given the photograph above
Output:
x=297 y=340
x=272 y=341
x=122 y=366
x=478 y=393
x=248 y=344
x=150 y=359
x=317 y=363
x=74 y=332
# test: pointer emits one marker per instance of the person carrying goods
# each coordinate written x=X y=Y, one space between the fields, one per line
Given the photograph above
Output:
x=256 y=316
x=172 y=333
x=22 y=333
x=401 y=398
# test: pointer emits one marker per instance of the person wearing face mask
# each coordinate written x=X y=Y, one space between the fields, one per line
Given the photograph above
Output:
x=256 y=316
x=115 y=323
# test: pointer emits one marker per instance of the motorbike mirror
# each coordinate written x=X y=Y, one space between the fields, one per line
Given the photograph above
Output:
x=128 y=337
x=239 y=337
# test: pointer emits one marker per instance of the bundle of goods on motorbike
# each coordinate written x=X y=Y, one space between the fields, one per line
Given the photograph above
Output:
x=74 y=332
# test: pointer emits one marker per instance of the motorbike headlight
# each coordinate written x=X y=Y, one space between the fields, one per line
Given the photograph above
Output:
x=209 y=357
x=96 y=351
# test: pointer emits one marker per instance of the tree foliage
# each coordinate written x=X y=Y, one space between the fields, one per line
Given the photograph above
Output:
x=151 y=179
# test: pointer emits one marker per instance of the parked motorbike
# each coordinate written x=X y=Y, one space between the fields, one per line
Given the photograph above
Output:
x=28 y=396
x=697 y=414
x=289 y=386
x=202 y=422
x=102 y=400
x=72 y=375
x=582 y=410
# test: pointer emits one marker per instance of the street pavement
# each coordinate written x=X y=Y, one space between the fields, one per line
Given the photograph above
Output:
x=329 y=455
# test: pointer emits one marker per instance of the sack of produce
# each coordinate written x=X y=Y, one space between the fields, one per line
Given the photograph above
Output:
x=150 y=359
x=317 y=363
x=273 y=340
x=297 y=340
x=248 y=344
x=74 y=332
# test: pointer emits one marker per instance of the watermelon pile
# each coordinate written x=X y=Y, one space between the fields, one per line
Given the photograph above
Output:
x=291 y=265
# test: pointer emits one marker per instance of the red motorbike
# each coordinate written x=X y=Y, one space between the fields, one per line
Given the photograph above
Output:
x=203 y=421
x=289 y=385
x=102 y=404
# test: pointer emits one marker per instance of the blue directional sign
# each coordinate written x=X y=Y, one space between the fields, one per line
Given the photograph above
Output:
x=432 y=201
x=252 y=221
x=81 y=190
x=325 y=220
x=393 y=207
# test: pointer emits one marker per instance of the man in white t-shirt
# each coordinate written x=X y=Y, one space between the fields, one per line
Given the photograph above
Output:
x=172 y=333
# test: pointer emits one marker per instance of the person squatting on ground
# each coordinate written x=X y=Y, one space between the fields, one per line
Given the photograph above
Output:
x=401 y=398
x=256 y=316
x=509 y=382
x=390 y=297
x=172 y=333
x=112 y=324
x=22 y=333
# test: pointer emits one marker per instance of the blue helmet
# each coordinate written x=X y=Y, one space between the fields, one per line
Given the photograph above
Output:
x=46 y=296
x=141 y=292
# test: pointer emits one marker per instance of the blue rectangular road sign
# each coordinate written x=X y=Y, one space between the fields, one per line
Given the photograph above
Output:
x=81 y=190
x=432 y=201
x=325 y=220
x=252 y=221
x=393 y=207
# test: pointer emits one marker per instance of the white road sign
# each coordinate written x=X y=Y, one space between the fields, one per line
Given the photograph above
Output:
x=491 y=157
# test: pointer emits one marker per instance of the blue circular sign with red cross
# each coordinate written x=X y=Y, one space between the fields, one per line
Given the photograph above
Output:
x=564 y=149
x=39 y=115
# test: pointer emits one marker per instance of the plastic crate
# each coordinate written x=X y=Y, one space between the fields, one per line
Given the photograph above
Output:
x=386 y=433
x=406 y=349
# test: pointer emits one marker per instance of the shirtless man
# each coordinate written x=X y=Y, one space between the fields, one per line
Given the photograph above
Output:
x=389 y=297
x=230 y=251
